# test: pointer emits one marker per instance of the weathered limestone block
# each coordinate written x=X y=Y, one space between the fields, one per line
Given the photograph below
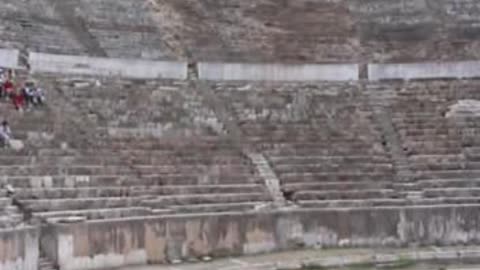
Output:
x=468 y=108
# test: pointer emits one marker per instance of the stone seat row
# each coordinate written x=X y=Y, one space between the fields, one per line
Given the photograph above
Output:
x=161 y=204
x=458 y=165
x=122 y=169
x=327 y=150
x=118 y=191
x=424 y=184
x=446 y=174
x=366 y=198
x=70 y=181
x=152 y=201
x=338 y=176
x=331 y=159
x=109 y=160
x=334 y=167
x=368 y=203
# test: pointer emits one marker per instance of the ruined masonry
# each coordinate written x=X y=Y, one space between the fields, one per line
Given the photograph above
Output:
x=180 y=161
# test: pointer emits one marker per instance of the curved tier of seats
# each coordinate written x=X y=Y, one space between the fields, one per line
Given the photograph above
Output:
x=244 y=31
x=321 y=140
x=146 y=149
x=154 y=148
x=34 y=25
x=440 y=147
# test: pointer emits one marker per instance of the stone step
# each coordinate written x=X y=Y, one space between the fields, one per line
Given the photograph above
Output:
x=63 y=170
x=330 y=167
x=388 y=202
x=351 y=194
x=163 y=201
x=100 y=170
x=351 y=203
x=333 y=177
x=115 y=191
x=98 y=213
x=345 y=185
x=421 y=175
x=215 y=207
x=70 y=181
x=437 y=158
x=203 y=189
x=4 y=202
x=51 y=161
x=45 y=205
x=412 y=151
x=413 y=131
x=451 y=192
x=449 y=183
x=285 y=160
x=182 y=168
x=446 y=166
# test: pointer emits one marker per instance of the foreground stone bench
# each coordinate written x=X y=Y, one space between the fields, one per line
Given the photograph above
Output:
x=45 y=205
x=343 y=185
x=192 y=199
x=348 y=194
x=329 y=177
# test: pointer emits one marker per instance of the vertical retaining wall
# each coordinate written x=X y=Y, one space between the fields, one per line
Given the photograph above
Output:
x=127 y=68
x=19 y=249
x=277 y=72
x=9 y=58
x=104 y=244
x=455 y=70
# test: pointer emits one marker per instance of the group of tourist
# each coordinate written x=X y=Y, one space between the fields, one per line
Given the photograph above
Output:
x=24 y=97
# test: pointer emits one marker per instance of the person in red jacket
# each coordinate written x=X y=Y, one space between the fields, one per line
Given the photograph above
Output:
x=18 y=99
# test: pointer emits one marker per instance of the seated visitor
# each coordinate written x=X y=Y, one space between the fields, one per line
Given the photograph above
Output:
x=29 y=93
x=5 y=134
x=38 y=96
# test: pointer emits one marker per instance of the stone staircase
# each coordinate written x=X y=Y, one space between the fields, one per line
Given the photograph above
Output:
x=45 y=263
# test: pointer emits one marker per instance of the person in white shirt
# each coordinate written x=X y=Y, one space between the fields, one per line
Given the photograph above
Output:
x=38 y=96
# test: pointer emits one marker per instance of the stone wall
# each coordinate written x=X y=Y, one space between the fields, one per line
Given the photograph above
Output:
x=277 y=72
x=166 y=239
x=8 y=58
x=127 y=68
x=19 y=249
x=455 y=70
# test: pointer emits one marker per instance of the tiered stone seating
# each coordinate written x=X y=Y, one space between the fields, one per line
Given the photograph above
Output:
x=240 y=31
x=441 y=150
x=124 y=28
x=151 y=152
x=158 y=181
x=28 y=129
x=34 y=25
x=316 y=31
x=320 y=139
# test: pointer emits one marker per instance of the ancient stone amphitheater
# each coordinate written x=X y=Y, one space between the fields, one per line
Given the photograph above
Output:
x=179 y=130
